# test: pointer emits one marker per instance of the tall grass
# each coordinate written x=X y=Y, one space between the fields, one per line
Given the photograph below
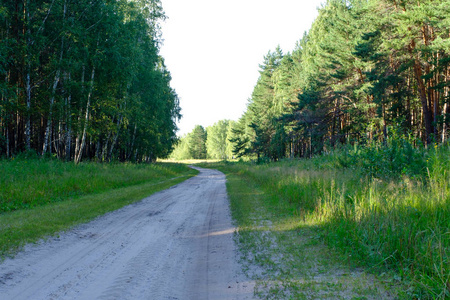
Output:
x=399 y=223
x=381 y=208
x=42 y=197
x=30 y=182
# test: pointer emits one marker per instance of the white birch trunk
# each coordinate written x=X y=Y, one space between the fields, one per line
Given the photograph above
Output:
x=105 y=147
x=55 y=84
x=50 y=113
x=69 y=124
x=132 y=142
x=86 y=120
x=78 y=138
x=445 y=109
x=30 y=42
x=116 y=136
x=444 y=127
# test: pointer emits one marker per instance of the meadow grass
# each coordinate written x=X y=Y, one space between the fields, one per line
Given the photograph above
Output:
x=27 y=183
x=45 y=197
x=284 y=254
x=385 y=219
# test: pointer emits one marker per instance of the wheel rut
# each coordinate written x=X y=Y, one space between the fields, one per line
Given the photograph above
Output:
x=176 y=244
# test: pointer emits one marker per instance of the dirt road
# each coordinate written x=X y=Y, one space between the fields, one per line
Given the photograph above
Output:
x=176 y=244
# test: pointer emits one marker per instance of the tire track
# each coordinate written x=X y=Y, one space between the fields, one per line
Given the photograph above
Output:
x=176 y=244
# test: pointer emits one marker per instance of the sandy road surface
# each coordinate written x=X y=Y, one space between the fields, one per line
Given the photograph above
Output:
x=176 y=244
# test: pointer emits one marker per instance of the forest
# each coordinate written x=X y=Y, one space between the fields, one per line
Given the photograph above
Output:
x=365 y=96
x=366 y=71
x=211 y=142
x=84 y=80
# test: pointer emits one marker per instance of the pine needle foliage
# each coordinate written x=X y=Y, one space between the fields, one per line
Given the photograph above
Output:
x=363 y=67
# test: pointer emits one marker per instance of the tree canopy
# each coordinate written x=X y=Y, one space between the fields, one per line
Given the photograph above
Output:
x=83 y=79
x=365 y=69
x=212 y=142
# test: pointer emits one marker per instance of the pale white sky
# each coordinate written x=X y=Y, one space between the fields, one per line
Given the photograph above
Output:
x=213 y=49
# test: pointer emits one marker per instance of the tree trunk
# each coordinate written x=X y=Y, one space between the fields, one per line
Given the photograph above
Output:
x=444 y=125
x=385 y=133
x=423 y=99
x=55 y=84
x=79 y=121
x=28 y=78
x=28 y=112
x=86 y=119
x=49 y=120
x=408 y=106
x=16 y=132
x=132 y=142
x=116 y=136
x=7 y=142
x=105 y=147
x=68 y=130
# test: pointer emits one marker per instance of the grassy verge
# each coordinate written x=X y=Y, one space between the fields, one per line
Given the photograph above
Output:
x=392 y=225
x=285 y=254
x=27 y=183
x=103 y=193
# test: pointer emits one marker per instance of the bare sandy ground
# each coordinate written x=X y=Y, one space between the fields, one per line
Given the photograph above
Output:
x=176 y=244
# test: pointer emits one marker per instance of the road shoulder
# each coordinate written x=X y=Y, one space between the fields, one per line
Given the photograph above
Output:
x=287 y=258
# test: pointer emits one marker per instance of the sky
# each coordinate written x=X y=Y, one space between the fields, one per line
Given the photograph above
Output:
x=213 y=49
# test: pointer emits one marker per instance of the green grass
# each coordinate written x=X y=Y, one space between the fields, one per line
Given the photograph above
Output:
x=392 y=220
x=284 y=253
x=27 y=183
x=57 y=196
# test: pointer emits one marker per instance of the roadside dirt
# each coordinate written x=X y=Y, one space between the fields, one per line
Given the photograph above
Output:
x=176 y=244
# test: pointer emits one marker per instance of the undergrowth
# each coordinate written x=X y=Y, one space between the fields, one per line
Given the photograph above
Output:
x=386 y=207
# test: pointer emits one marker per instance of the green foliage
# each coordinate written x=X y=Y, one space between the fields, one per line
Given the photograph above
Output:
x=257 y=132
x=217 y=144
x=385 y=218
x=214 y=142
x=398 y=156
x=181 y=150
x=197 y=142
x=401 y=224
x=84 y=79
x=363 y=69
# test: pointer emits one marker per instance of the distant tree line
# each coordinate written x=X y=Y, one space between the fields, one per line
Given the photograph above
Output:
x=212 y=143
x=83 y=79
x=366 y=69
